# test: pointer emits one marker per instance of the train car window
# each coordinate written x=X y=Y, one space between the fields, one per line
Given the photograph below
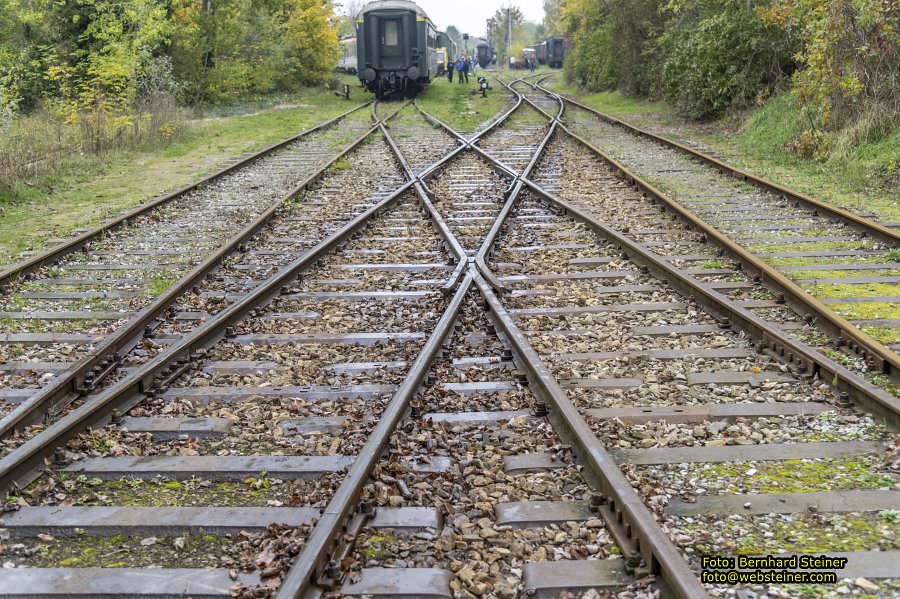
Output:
x=391 y=33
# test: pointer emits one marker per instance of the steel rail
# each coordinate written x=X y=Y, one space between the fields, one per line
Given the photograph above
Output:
x=453 y=245
x=309 y=565
x=795 y=352
x=504 y=169
x=512 y=198
x=11 y=273
x=860 y=223
x=71 y=383
x=663 y=557
x=18 y=467
x=658 y=552
x=315 y=555
x=625 y=506
x=882 y=358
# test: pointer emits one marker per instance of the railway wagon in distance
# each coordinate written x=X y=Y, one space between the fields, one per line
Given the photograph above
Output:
x=396 y=48
x=347 y=62
x=528 y=54
x=556 y=48
x=447 y=51
x=484 y=54
x=540 y=52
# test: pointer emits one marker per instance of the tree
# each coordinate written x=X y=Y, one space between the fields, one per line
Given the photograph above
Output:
x=552 y=15
x=26 y=50
x=454 y=34
x=619 y=31
x=850 y=57
x=719 y=58
x=244 y=47
x=501 y=28
x=312 y=40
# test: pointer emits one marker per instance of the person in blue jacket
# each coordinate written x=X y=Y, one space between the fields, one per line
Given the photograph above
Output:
x=460 y=69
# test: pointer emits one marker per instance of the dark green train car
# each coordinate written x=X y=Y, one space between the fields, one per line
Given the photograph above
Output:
x=396 y=48
x=446 y=52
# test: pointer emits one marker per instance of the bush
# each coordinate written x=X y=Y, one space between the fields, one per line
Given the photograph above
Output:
x=850 y=57
x=720 y=61
x=591 y=63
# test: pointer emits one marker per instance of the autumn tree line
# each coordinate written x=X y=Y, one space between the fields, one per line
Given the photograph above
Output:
x=95 y=73
x=839 y=58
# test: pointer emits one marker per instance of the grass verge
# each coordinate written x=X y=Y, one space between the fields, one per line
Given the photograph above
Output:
x=863 y=178
x=85 y=191
x=457 y=106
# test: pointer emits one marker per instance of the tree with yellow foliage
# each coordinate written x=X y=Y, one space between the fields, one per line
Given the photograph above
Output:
x=311 y=36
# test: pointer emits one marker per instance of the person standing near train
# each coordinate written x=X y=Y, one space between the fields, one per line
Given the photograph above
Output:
x=468 y=67
x=451 y=66
x=460 y=67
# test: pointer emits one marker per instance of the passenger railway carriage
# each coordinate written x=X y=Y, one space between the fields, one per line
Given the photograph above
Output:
x=484 y=54
x=348 y=60
x=396 y=48
x=556 y=51
x=446 y=52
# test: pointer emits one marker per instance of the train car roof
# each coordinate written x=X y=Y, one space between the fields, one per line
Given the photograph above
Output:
x=393 y=5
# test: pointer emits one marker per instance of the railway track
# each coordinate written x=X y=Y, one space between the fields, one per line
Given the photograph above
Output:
x=474 y=388
x=831 y=256
x=66 y=326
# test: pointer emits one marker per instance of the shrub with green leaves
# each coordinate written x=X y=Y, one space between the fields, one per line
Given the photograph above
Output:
x=720 y=61
x=592 y=63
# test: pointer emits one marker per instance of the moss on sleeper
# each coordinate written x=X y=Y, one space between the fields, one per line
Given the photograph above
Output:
x=119 y=552
x=865 y=311
x=163 y=493
x=375 y=544
x=832 y=290
x=814 y=260
x=791 y=476
x=837 y=274
x=793 y=533
x=811 y=246
x=885 y=335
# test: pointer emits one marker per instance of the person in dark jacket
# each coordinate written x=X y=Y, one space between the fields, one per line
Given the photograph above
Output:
x=468 y=67
x=450 y=68
x=460 y=67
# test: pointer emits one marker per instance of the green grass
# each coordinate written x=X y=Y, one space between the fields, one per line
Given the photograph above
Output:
x=859 y=179
x=86 y=191
x=455 y=104
x=618 y=104
x=862 y=178
x=159 y=284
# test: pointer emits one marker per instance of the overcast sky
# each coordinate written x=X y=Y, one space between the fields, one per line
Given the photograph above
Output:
x=469 y=16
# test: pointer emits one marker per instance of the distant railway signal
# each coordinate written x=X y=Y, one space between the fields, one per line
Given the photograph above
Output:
x=483 y=84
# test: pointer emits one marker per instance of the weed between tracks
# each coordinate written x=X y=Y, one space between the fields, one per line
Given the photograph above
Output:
x=158 y=492
x=789 y=476
x=455 y=105
x=793 y=533
x=122 y=551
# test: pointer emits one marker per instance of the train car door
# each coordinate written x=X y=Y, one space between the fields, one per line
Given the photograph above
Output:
x=391 y=32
